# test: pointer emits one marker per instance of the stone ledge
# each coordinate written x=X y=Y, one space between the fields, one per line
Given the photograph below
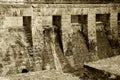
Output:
x=108 y=66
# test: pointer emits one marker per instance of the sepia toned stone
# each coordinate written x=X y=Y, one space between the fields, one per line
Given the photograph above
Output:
x=56 y=35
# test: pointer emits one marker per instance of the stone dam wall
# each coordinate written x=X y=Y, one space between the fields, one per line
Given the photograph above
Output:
x=40 y=36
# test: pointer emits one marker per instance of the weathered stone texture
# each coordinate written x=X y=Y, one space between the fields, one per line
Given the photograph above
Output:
x=38 y=41
x=114 y=24
x=13 y=21
x=92 y=33
x=71 y=9
x=41 y=75
x=48 y=10
x=14 y=53
x=104 y=69
x=104 y=48
x=75 y=49
x=15 y=46
x=66 y=30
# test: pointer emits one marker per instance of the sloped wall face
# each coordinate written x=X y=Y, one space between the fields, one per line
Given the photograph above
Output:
x=13 y=42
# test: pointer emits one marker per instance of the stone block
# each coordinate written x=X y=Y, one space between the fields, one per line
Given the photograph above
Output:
x=114 y=24
x=92 y=31
x=3 y=78
x=47 y=20
x=13 y=21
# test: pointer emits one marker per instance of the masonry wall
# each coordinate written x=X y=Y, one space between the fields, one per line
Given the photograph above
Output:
x=17 y=54
x=45 y=12
x=14 y=55
x=48 y=10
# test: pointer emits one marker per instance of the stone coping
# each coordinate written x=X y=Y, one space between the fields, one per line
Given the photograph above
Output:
x=76 y=5
x=14 y=5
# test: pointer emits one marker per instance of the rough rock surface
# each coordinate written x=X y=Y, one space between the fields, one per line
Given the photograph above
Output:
x=15 y=55
x=104 y=47
x=13 y=42
x=41 y=75
x=105 y=69
x=78 y=49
